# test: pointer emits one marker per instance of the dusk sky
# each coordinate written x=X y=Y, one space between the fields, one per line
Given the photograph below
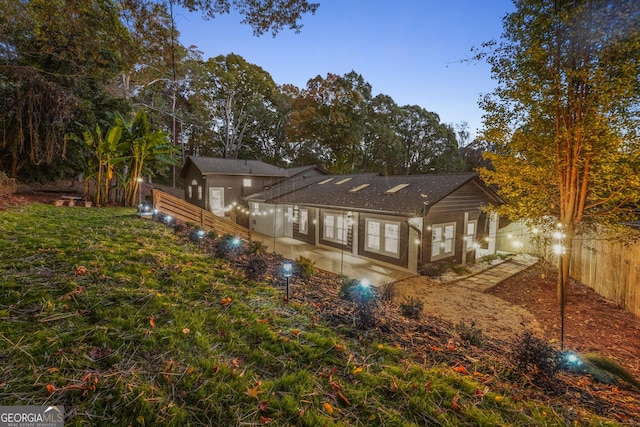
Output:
x=412 y=50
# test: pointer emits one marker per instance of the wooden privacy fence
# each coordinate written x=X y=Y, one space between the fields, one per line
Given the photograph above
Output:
x=610 y=268
x=187 y=212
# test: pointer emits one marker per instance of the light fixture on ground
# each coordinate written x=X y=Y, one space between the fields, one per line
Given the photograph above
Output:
x=139 y=179
x=287 y=271
x=200 y=234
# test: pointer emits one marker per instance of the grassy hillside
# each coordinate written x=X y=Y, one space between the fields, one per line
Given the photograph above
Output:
x=125 y=322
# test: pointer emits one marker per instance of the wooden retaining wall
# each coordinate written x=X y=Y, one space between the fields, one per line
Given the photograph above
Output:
x=187 y=212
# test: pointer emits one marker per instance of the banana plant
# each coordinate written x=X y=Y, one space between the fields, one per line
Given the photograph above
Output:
x=145 y=149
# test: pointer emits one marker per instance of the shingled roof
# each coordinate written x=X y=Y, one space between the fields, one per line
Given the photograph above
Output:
x=404 y=194
x=211 y=165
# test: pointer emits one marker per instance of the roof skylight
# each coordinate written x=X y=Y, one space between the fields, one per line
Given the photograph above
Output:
x=395 y=189
x=342 y=181
x=358 y=188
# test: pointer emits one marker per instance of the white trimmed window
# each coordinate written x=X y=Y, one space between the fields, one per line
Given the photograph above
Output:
x=443 y=240
x=471 y=235
x=199 y=192
x=246 y=182
x=190 y=188
x=383 y=237
x=336 y=228
x=303 y=225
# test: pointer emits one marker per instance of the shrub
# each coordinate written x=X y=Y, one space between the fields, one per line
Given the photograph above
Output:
x=197 y=235
x=347 y=288
x=227 y=247
x=365 y=298
x=257 y=267
x=7 y=185
x=536 y=359
x=433 y=270
x=411 y=307
x=470 y=334
x=305 y=266
x=257 y=247
x=387 y=291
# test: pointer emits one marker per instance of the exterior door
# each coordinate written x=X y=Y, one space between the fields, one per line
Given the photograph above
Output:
x=216 y=200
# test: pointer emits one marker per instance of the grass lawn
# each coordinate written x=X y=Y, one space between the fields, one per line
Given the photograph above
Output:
x=126 y=323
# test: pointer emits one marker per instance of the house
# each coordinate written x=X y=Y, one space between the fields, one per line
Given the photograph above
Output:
x=406 y=221
x=217 y=184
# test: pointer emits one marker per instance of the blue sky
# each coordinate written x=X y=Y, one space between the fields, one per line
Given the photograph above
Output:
x=413 y=51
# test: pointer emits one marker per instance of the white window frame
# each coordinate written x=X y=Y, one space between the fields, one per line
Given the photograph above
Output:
x=199 y=192
x=336 y=227
x=443 y=240
x=382 y=237
x=303 y=224
x=470 y=235
x=246 y=182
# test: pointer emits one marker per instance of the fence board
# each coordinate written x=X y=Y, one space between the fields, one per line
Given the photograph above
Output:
x=187 y=212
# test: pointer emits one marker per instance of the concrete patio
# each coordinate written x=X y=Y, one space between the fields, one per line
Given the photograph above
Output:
x=334 y=260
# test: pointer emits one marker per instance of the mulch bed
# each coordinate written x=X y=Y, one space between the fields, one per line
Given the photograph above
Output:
x=592 y=323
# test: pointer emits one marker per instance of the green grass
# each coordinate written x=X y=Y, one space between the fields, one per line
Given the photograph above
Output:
x=121 y=321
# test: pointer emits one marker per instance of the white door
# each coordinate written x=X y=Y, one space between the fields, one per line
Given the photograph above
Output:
x=216 y=200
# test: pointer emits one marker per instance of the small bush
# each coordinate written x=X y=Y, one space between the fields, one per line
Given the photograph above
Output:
x=536 y=359
x=387 y=291
x=227 y=247
x=470 y=334
x=197 y=235
x=7 y=185
x=256 y=247
x=257 y=267
x=433 y=270
x=347 y=288
x=305 y=267
x=411 y=307
x=365 y=298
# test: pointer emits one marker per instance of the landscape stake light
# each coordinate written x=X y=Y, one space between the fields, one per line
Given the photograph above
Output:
x=200 y=235
x=235 y=241
x=287 y=271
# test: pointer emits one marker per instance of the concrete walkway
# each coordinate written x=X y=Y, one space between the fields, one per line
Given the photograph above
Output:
x=487 y=279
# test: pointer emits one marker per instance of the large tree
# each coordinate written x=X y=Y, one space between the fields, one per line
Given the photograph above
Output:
x=565 y=115
x=331 y=113
x=234 y=96
x=55 y=58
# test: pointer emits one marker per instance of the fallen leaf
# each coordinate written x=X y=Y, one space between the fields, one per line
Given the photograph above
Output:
x=81 y=270
x=186 y=331
x=461 y=369
x=265 y=420
x=152 y=322
x=342 y=396
x=327 y=407
x=357 y=370
x=235 y=362
x=263 y=406
x=51 y=388
x=454 y=402
x=252 y=392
